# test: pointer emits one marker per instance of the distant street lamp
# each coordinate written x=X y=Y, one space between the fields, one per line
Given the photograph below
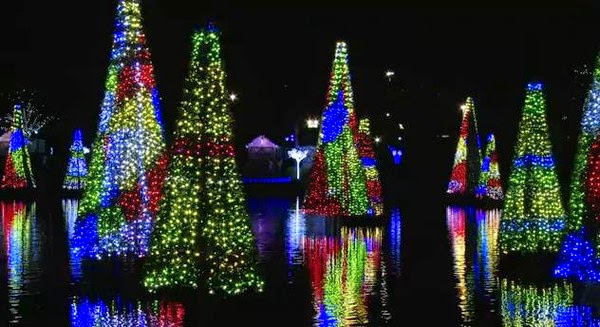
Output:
x=233 y=97
x=389 y=74
x=312 y=123
x=298 y=155
x=377 y=139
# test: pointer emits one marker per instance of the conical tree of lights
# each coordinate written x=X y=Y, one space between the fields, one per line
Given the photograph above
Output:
x=76 y=167
x=17 y=168
x=337 y=184
x=202 y=232
x=128 y=162
x=533 y=219
x=490 y=185
x=368 y=158
x=584 y=200
x=467 y=159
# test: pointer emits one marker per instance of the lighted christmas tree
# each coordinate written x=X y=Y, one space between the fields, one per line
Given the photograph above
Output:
x=368 y=158
x=77 y=167
x=17 y=169
x=533 y=218
x=128 y=162
x=584 y=201
x=579 y=255
x=490 y=185
x=337 y=181
x=202 y=232
x=467 y=159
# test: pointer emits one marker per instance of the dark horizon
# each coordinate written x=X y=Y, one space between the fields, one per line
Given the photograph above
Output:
x=278 y=62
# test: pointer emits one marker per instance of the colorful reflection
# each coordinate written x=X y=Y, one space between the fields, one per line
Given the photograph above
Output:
x=528 y=305
x=70 y=207
x=346 y=273
x=475 y=265
x=395 y=233
x=22 y=244
x=119 y=313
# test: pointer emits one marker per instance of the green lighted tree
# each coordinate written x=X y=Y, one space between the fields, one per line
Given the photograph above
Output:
x=202 y=235
x=533 y=218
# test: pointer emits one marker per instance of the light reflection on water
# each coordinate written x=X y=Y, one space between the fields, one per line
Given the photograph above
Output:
x=22 y=246
x=70 y=207
x=122 y=313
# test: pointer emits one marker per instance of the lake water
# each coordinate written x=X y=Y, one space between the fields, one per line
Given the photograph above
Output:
x=431 y=264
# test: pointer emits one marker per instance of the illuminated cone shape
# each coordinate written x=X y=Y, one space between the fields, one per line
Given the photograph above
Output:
x=533 y=218
x=17 y=168
x=467 y=159
x=202 y=232
x=76 y=167
x=368 y=158
x=128 y=163
x=490 y=185
x=337 y=184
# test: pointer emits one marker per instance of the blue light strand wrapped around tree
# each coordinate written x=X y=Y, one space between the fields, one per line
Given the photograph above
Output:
x=77 y=166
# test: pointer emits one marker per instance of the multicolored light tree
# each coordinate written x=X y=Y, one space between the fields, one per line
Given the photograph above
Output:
x=77 y=167
x=490 y=185
x=584 y=201
x=202 y=231
x=368 y=158
x=533 y=218
x=467 y=159
x=17 y=169
x=128 y=161
x=338 y=184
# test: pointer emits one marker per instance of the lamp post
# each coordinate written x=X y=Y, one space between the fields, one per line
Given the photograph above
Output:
x=298 y=155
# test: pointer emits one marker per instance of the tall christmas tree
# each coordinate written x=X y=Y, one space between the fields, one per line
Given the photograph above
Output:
x=533 y=218
x=337 y=181
x=584 y=201
x=202 y=231
x=128 y=162
x=17 y=169
x=467 y=159
x=77 y=167
x=490 y=185
x=579 y=257
x=368 y=158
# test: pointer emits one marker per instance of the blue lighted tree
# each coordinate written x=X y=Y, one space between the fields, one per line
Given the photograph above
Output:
x=76 y=167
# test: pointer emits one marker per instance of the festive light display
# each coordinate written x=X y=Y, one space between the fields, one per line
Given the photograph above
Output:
x=475 y=268
x=343 y=273
x=338 y=184
x=396 y=154
x=20 y=237
x=395 y=235
x=77 y=167
x=128 y=163
x=467 y=159
x=528 y=305
x=584 y=201
x=368 y=158
x=298 y=155
x=202 y=231
x=123 y=313
x=17 y=168
x=490 y=185
x=533 y=218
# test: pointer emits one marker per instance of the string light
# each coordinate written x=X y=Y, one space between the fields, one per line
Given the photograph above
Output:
x=368 y=158
x=76 y=167
x=533 y=218
x=467 y=159
x=202 y=232
x=490 y=185
x=128 y=162
x=337 y=180
x=17 y=168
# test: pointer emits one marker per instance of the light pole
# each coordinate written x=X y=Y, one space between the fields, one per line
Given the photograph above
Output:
x=298 y=155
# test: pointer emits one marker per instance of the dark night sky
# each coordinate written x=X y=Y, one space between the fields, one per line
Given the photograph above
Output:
x=278 y=60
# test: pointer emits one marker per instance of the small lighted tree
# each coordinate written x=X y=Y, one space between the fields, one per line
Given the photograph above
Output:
x=298 y=155
x=17 y=170
x=77 y=167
